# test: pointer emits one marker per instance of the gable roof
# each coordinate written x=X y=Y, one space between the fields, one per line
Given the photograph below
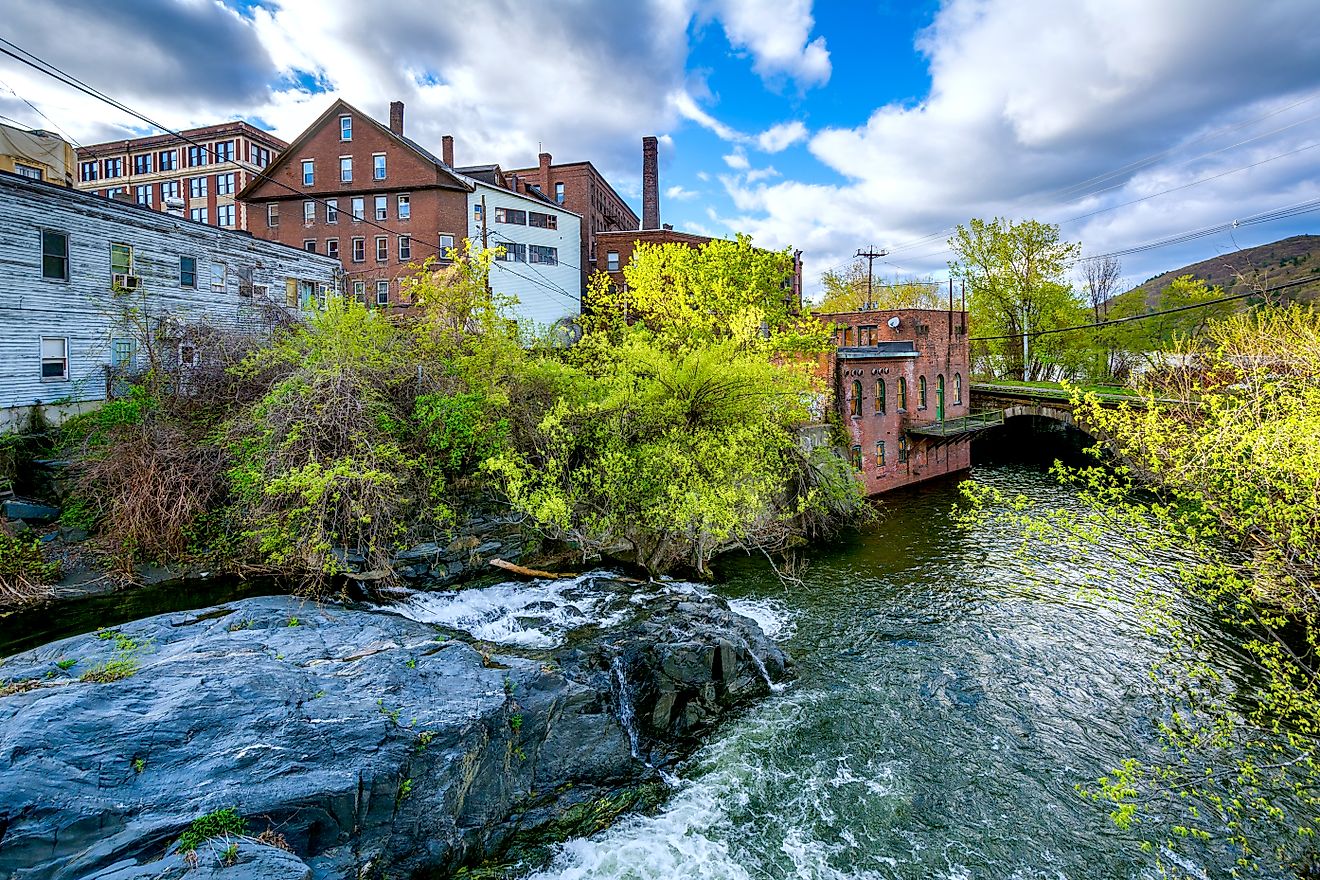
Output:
x=341 y=107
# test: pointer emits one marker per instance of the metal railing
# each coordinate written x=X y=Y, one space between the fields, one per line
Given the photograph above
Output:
x=968 y=424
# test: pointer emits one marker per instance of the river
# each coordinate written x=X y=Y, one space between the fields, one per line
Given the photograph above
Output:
x=943 y=712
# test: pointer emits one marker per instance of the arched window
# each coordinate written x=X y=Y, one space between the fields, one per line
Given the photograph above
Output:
x=857 y=458
x=880 y=395
x=902 y=393
x=855 y=406
x=902 y=449
x=921 y=392
x=879 y=453
x=957 y=388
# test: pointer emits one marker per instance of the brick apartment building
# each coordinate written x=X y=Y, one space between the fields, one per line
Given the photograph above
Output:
x=581 y=188
x=894 y=373
x=362 y=192
x=197 y=177
x=614 y=248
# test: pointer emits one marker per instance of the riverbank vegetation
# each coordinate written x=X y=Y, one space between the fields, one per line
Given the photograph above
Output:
x=665 y=435
x=1219 y=466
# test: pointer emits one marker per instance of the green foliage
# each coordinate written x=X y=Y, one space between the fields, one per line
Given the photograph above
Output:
x=95 y=428
x=218 y=823
x=67 y=663
x=845 y=291
x=25 y=573
x=116 y=669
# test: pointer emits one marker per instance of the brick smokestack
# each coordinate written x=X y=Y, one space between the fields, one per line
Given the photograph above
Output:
x=545 y=174
x=447 y=149
x=396 y=117
x=650 y=184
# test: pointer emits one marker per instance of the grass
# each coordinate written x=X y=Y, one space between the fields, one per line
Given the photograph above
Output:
x=111 y=670
x=67 y=663
x=218 y=823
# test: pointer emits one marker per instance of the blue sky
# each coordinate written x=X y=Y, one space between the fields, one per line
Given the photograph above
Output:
x=826 y=126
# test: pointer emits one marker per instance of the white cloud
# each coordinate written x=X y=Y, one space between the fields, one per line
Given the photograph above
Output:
x=686 y=106
x=737 y=160
x=777 y=34
x=778 y=138
x=756 y=174
x=678 y=193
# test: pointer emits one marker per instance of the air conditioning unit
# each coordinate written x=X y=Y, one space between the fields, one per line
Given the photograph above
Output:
x=126 y=282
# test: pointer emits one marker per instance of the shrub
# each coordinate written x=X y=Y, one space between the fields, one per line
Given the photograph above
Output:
x=218 y=823
x=26 y=575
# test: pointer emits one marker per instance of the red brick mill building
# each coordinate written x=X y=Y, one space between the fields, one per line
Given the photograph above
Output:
x=899 y=379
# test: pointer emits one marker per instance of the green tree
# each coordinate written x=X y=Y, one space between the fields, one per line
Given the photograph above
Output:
x=845 y=291
x=1015 y=277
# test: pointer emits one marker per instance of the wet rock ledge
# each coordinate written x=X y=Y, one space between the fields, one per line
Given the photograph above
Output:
x=351 y=742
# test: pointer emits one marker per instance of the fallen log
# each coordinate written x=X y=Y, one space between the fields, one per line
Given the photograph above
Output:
x=527 y=572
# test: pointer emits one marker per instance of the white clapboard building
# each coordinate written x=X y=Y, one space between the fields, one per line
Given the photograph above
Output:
x=76 y=265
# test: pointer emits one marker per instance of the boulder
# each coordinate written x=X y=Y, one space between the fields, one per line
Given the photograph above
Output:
x=29 y=511
x=374 y=746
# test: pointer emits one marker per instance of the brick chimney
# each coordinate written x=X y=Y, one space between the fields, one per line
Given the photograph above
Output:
x=545 y=174
x=650 y=184
x=396 y=117
x=447 y=149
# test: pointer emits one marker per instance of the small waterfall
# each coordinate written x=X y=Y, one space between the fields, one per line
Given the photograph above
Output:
x=760 y=667
x=628 y=718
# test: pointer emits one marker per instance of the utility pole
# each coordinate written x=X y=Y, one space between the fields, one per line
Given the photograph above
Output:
x=871 y=256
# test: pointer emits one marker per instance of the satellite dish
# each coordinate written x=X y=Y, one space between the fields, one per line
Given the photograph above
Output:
x=894 y=322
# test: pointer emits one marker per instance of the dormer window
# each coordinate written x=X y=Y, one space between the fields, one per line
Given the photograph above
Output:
x=346 y=128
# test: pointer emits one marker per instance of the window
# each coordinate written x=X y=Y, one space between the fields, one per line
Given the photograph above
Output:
x=939 y=396
x=360 y=291
x=309 y=212
x=476 y=213
x=224 y=184
x=359 y=250
x=382 y=208
x=187 y=355
x=902 y=397
x=332 y=210
x=346 y=169
x=866 y=334
x=122 y=353
x=957 y=388
x=405 y=248
x=541 y=254
x=346 y=128
x=30 y=171
x=224 y=151
x=405 y=207
x=121 y=259
x=224 y=216
x=542 y=221
x=446 y=245
x=87 y=171
x=879 y=453
x=847 y=336
x=902 y=449
x=260 y=157
x=559 y=193
x=169 y=189
x=856 y=456
x=169 y=160
x=188 y=272
x=219 y=275
x=54 y=255
x=142 y=163
x=612 y=261
x=382 y=248
x=378 y=166
x=382 y=293
x=359 y=207
x=855 y=404
x=196 y=156
x=309 y=245
x=113 y=192
x=142 y=194
x=114 y=167
x=332 y=248
x=54 y=357
x=880 y=395
x=511 y=215
x=309 y=171
x=197 y=187
x=273 y=215
x=921 y=392
x=199 y=215
x=513 y=252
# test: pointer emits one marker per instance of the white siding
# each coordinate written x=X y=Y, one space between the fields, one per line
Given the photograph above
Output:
x=546 y=294
x=84 y=311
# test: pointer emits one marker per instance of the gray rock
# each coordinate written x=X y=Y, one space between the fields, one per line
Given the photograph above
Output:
x=30 y=511
x=251 y=861
x=487 y=548
x=73 y=535
x=420 y=553
x=370 y=745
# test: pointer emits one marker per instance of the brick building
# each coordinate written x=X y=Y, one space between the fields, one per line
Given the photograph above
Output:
x=899 y=377
x=581 y=188
x=198 y=177
x=367 y=195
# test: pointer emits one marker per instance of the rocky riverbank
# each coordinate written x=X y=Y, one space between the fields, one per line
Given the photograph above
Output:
x=356 y=742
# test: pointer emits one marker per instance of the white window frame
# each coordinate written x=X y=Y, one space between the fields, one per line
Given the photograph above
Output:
x=223 y=276
x=63 y=358
x=345 y=169
x=328 y=243
x=381 y=208
x=309 y=172
x=332 y=210
x=382 y=287
x=405 y=248
x=403 y=207
x=612 y=261
x=272 y=215
x=382 y=249
x=379 y=168
x=446 y=245
x=346 y=127
x=359 y=246
x=309 y=245
x=360 y=291
x=359 y=206
x=309 y=212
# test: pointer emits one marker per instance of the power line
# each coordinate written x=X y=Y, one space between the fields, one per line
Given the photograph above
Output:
x=45 y=67
x=1200 y=305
